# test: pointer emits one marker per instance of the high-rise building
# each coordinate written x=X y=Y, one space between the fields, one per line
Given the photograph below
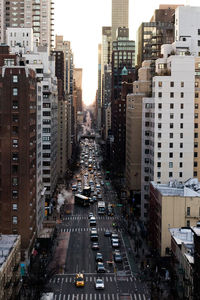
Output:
x=168 y=124
x=38 y=14
x=141 y=89
x=18 y=150
x=99 y=89
x=78 y=87
x=120 y=16
x=152 y=35
x=123 y=75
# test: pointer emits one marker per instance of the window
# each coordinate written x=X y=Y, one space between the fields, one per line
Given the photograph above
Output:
x=198 y=43
x=180 y=174
x=170 y=174
x=14 y=206
x=170 y=164
x=181 y=125
x=196 y=135
x=182 y=84
x=46 y=147
x=196 y=84
x=170 y=145
x=188 y=223
x=159 y=105
x=159 y=135
x=159 y=154
x=158 y=174
x=196 y=115
x=15 y=156
x=182 y=95
x=46 y=113
x=195 y=174
x=15 y=181
x=188 y=211
x=160 y=83
x=171 y=125
x=15 y=91
x=171 y=155
x=181 y=154
x=181 y=135
x=159 y=116
x=171 y=95
x=196 y=95
x=15 y=143
x=196 y=125
x=15 y=194
x=171 y=84
x=160 y=94
x=159 y=145
x=15 y=105
x=181 y=116
x=171 y=135
x=195 y=144
x=198 y=31
x=181 y=145
x=171 y=116
x=159 y=164
x=15 y=78
x=159 y=125
x=14 y=220
x=195 y=164
x=180 y=165
x=171 y=105
x=182 y=106
x=196 y=106
x=195 y=154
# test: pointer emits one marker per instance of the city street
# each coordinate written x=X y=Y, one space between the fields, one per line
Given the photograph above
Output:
x=79 y=257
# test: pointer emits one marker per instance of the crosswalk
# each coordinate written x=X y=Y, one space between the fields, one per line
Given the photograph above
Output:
x=98 y=296
x=80 y=229
x=75 y=217
x=88 y=278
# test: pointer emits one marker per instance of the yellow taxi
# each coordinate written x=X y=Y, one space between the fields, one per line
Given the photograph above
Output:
x=79 y=280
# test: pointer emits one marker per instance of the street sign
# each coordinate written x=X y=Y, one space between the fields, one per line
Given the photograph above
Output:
x=119 y=205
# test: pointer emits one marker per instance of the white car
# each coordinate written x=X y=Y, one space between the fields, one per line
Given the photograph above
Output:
x=99 y=284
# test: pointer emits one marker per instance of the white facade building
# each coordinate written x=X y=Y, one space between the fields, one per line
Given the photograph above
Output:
x=187 y=28
x=21 y=37
x=168 y=125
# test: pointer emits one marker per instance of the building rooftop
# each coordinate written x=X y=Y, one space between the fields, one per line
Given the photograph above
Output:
x=182 y=235
x=7 y=243
x=190 y=188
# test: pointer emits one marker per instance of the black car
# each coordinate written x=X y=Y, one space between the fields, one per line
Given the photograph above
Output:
x=117 y=256
x=95 y=246
x=107 y=233
x=100 y=267
x=99 y=257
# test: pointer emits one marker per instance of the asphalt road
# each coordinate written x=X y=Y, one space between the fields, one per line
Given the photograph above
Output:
x=118 y=279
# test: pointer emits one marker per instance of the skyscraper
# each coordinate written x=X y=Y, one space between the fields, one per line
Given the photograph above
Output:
x=119 y=15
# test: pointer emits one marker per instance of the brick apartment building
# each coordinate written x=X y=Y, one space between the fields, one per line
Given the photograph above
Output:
x=17 y=150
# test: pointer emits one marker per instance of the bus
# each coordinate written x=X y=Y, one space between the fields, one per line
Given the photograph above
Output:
x=87 y=191
x=101 y=208
x=81 y=200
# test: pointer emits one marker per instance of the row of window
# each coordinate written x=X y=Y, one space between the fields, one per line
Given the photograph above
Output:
x=160 y=84
x=171 y=105
x=171 y=95
x=170 y=174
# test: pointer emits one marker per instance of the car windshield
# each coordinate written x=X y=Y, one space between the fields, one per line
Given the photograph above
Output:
x=79 y=279
x=99 y=281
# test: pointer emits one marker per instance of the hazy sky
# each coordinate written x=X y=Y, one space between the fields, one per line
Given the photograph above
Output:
x=81 y=21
